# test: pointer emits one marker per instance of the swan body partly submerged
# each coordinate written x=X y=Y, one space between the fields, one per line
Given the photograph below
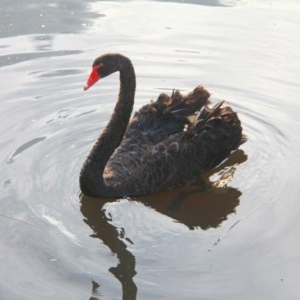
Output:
x=169 y=142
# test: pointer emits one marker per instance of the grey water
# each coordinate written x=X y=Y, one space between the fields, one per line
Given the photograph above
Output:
x=237 y=237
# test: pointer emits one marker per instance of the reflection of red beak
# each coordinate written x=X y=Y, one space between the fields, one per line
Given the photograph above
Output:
x=94 y=77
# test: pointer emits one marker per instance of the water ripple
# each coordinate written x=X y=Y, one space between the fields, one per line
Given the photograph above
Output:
x=24 y=147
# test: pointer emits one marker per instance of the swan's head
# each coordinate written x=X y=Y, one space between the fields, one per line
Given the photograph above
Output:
x=103 y=66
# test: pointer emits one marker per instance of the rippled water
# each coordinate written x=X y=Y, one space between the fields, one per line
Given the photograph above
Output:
x=235 y=239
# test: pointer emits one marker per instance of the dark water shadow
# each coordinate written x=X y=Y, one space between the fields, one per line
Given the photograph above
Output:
x=11 y=59
x=204 y=206
x=96 y=218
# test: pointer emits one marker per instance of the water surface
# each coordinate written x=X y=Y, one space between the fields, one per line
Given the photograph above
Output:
x=236 y=238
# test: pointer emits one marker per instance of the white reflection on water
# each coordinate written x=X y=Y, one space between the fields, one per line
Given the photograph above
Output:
x=238 y=242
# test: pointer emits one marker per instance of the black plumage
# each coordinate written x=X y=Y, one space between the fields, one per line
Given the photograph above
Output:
x=169 y=142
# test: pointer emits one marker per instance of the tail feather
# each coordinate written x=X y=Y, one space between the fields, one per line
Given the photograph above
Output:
x=217 y=133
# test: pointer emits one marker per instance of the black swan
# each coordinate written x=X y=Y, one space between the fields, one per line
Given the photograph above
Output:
x=168 y=143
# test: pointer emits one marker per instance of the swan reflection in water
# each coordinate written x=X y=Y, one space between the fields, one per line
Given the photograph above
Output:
x=203 y=206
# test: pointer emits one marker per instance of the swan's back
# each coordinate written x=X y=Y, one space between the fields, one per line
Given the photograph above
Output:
x=172 y=141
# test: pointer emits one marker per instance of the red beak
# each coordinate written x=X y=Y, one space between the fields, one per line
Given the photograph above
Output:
x=93 y=78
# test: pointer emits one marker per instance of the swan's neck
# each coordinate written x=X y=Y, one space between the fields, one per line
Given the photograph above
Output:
x=91 y=177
